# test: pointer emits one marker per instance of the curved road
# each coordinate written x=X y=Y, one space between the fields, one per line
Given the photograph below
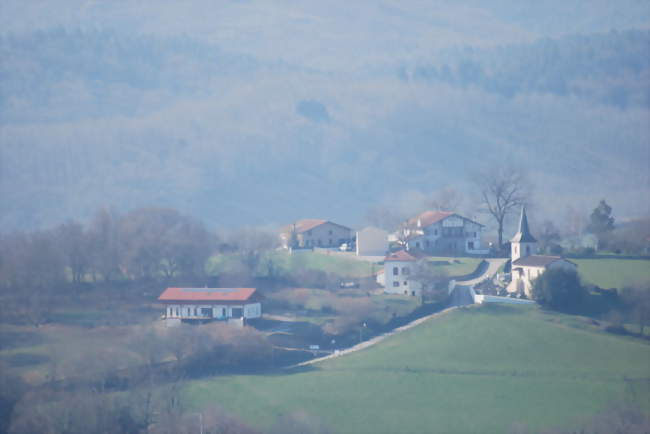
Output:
x=461 y=295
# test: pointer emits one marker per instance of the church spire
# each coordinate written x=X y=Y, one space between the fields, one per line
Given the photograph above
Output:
x=523 y=235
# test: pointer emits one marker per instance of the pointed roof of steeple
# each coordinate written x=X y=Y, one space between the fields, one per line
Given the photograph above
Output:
x=523 y=235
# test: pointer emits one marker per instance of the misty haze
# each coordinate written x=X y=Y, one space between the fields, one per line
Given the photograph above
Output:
x=256 y=216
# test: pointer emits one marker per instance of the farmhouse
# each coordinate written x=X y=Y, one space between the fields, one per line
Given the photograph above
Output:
x=444 y=233
x=526 y=266
x=211 y=303
x=310 y=233
x=399 y=268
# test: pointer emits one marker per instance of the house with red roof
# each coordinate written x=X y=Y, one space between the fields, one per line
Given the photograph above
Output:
x=399 y=269
x=311 y=233
x=211 y=303
x=442 y=232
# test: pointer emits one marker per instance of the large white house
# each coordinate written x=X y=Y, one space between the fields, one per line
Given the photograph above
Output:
x=526 y=265
x=399 y=269
x=211 y=303
x=443 y=232
x=310 y=233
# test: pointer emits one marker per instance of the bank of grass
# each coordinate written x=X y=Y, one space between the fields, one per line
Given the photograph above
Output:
x=284 y=263
x=456 y=266
x=613 y=272
x=470 y=370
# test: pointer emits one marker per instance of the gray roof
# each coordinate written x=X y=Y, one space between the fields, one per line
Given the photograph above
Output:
x=538 y=261
x=523 y=235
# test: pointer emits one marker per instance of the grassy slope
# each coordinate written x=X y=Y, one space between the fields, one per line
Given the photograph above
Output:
x=474 y=370
x=458 y=266
x=613 y=273
x=335 y=263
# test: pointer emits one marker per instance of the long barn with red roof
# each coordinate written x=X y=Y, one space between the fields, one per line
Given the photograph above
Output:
x=211 y=303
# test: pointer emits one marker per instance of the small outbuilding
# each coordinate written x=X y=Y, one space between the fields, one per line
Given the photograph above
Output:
x=211 y=303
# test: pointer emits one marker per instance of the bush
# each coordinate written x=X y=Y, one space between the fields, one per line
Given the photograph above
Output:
x=559 y=289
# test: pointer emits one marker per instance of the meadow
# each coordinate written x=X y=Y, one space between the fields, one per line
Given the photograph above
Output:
x=344 y=265
x=613 y=273
x=478 y=369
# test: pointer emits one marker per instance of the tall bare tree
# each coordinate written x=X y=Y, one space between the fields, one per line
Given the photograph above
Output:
x=504 y=189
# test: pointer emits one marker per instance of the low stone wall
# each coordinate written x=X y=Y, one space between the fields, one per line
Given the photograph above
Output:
x=482 y=298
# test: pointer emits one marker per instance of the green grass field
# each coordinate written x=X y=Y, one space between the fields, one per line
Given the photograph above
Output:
x=457 y=266
x=307 y=260
x=613 y=273
x=473 y=370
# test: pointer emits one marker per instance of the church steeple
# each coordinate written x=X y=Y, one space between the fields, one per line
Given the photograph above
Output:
x=523 y=235
x=523 y=243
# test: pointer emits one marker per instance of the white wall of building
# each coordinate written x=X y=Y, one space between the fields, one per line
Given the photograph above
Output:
x=212 y=311
x=397 y=278
x=372 y=241
x=451 y=234
x=325 y=235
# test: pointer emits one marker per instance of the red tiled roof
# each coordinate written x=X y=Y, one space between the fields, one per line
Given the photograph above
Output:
x=430 y=217
x=538 y=261
x=305 y=225
x=400 y=255
x=206 y=294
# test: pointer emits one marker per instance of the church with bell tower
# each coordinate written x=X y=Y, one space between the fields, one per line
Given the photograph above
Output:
x=526 y=265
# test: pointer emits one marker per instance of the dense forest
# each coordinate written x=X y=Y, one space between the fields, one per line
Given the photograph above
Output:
x=94 y=117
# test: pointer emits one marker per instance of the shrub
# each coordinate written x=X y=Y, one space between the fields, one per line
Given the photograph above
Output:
x=559 y=289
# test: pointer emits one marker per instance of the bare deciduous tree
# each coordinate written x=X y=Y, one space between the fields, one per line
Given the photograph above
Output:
x=503 y=189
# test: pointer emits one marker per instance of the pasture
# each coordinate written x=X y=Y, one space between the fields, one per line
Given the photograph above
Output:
x=612 y=272
x=479 y=369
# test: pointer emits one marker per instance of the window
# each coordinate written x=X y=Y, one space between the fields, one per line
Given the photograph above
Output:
x=426 y=243
x=395 y=284
x=319 y=243
x=406 y=292
x=206 y=312
x=331 y=242
x=470 y=245
x=395 y=271
x=195 y=313
x=406 y=283
x=177 y=313
x=405 y=270
x=435 y=232
x=417 y=244
x=329 y=232
x=527 y=250
x=475 y=235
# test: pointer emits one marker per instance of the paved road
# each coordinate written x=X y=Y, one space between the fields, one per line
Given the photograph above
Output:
x=461 y=295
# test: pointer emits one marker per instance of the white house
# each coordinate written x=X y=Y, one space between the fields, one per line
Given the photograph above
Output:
x=526 y=265
x=211 y=303
x=443 y=232
x=399 y=268
x=372 y=241
x=310 y=233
